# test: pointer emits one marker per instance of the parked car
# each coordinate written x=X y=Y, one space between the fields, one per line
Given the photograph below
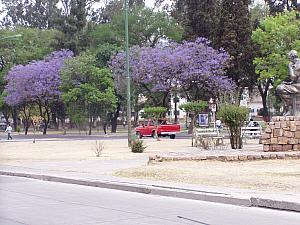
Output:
x=164 y=129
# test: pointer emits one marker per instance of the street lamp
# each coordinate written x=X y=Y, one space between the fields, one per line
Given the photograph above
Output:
x=127 y=73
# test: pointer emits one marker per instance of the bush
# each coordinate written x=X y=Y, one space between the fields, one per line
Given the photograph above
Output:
x=234 y=116
x=138 y=146
x=98 y=148
x=18 y=129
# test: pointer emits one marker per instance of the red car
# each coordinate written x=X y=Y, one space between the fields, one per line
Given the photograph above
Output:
x=164 y=129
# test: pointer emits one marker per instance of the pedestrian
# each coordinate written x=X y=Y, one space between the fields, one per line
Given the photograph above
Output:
x=124 y=124
x=251 y=123
x=219 y=124
x=104 y=127
x=8 y=131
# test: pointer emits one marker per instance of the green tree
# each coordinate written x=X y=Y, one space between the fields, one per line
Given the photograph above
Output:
x=193 y=108
x=234 y=117
x=275 y=37
x=25 y=45
x=198 y=18
x=87 y=90
x=234 y=35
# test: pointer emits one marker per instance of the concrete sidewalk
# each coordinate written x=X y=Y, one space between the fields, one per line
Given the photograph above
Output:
x=93 y=173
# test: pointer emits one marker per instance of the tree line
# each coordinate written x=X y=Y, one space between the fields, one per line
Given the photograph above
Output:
x=167 y=55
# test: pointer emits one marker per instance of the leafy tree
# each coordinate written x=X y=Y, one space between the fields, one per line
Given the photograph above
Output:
x=20 y=46
x=278 y=6
x=193 y=108
x=87 y=88
x=36 y=83
x=275 y=36
x=234 y=117
x=199 y=18
x=234 y=35
x=194 y=68
x=37 y=14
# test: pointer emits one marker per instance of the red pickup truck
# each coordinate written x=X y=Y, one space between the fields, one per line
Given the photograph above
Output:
x=164 y=129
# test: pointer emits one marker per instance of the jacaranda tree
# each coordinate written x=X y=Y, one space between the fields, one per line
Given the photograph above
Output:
x=36 y=84
x=193 y=68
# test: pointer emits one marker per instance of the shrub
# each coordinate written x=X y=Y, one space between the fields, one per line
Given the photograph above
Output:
x=234 y=116
x=18 y=129
x=138 y=146
x=98 y=148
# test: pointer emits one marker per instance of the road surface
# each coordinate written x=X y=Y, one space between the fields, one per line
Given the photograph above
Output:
x=34 y=202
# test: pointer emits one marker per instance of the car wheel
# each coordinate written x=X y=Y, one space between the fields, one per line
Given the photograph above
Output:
x=153 y=134
x=138 y=134
x=172 y=136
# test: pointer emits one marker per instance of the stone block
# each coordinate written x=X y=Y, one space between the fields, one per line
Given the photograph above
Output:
x=242 y=157
x=250 y=157
x=280 y=156
x=282 y=140
x=268 y=129
x=297 y=134
x=292 y=141
x=290 y=118
x=229 y=158
x=277 y=125
x=293 y=126
x=273 y=156
x=266 y=136
x=278 y=132
x=222 y=158
x=266 y=141
x=272 y=123
x=211 y=157
x=288 y=134
x=257 y=157
x=199 y=157
x=283 y=124
x=265 y=156
x=266 y=148
x=287 y=148
x=274 y=141
x=297 y=123
x=298 y=128
x=277 y=148
x=296 y=147
x=275 y=118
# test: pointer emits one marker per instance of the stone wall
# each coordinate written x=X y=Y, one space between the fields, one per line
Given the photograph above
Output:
x=282 y=134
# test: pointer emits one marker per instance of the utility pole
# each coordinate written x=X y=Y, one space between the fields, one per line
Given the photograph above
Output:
x=127 y=74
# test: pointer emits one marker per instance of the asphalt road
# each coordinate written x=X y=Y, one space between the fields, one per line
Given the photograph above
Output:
x=74 y=136
x=34 y=202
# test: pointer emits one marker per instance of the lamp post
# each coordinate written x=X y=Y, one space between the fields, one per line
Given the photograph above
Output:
x=127 y=73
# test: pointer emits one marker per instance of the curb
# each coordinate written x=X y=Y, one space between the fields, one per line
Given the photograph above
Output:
x=167 y=191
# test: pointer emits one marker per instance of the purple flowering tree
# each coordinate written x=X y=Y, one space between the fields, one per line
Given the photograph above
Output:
x=36 y=85
x=192 y=68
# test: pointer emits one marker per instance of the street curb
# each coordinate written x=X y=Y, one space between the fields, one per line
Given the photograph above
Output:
x=207 y=196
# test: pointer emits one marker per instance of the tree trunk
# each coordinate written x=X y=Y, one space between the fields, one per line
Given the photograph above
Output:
x=192 y=124
x=26 y=126
x=114 y=119
x=90 y=124
x=176 y=116
x=15 y=117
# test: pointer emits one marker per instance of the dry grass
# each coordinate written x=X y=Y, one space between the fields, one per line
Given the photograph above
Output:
x=272 y=175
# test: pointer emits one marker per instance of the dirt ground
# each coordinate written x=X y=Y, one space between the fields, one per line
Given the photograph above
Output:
x=63 y=150
x=270 y=175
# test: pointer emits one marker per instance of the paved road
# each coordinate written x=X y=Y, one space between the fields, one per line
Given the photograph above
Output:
x=33 y=202
x=71 y=137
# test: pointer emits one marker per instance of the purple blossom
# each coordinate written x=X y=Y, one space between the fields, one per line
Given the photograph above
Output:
x=37 y=81
x=184 y=66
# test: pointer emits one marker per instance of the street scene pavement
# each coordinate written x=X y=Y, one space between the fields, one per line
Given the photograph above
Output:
x=68 y=160
x=32 y=202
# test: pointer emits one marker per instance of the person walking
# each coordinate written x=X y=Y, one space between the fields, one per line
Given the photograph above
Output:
x=8 y=131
